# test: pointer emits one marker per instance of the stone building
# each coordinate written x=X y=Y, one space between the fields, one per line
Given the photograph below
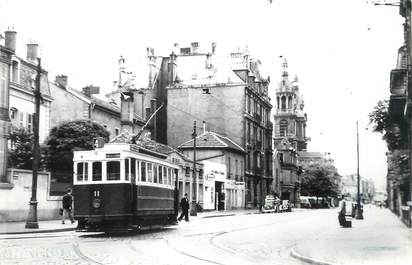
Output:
x=289 y=134
x=71 y=104
x=22 y=83
x=223 y=185
x=231 y=95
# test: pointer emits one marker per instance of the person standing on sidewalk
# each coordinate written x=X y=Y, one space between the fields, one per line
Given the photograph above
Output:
x=184 y=203
x=67 y=205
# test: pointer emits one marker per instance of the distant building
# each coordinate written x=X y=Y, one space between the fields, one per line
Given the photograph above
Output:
x=350 y=188
x=71 y=104
x=289 y=135
x=290 y=119
x=223 y=185
x=289 y=172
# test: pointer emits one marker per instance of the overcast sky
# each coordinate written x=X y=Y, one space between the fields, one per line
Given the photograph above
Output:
x=341 y=50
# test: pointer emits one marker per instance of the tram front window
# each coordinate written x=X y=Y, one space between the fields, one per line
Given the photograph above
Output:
x=82 y=171
x=113 y=170
x=97 y=171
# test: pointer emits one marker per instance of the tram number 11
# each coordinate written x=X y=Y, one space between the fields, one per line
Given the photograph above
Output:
x=96 y=193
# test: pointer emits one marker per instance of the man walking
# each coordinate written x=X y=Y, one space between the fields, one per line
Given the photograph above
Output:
x=67 y=205
x=184 y=203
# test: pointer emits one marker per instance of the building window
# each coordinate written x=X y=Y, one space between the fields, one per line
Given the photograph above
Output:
x=21 y=119
x=30 y=122
x=116 y=131
x=229 y=167
x=283 y=102
x=15 y=72
x=283 y=128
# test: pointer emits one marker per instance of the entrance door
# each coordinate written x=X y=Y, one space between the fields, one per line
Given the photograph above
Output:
x=220 y=196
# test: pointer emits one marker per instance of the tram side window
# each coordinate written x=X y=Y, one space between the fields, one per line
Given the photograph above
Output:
x=165 y=175
x=169 y=176
x=126 y=169
x=149 y=172
x=133 y=169
x=82 y=173
x=160 y=174
x=113 y=170
x=143 y=171
x=155 y=173
x=97 y=171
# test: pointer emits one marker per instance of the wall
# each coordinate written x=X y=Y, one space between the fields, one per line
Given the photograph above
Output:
x=66 y=106
x=109 y=120
x=188 y=104
x=14 y=203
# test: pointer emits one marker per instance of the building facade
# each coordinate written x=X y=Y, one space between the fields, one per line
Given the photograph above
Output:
x=223 y=185
x=289 y=135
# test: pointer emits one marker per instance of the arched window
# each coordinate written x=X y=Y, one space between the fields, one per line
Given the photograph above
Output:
x=277 y=101
x=283 y=106
x=290 y=102
x=283 y=127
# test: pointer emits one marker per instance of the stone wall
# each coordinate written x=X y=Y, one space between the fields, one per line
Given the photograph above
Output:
x=15 y=197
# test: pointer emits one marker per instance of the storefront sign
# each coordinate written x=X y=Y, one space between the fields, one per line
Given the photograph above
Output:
x=240 y=183
x=210 y=177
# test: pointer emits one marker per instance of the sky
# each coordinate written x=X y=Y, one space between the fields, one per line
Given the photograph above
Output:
x=341 y=50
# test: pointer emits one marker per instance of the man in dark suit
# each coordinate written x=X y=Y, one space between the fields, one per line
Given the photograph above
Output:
x=67 y=205
x=184 y=203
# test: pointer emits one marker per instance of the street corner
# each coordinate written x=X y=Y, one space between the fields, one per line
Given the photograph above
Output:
x=311 y=254
x=8 y=229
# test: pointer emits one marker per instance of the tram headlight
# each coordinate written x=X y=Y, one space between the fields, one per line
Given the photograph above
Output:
x=96 y=203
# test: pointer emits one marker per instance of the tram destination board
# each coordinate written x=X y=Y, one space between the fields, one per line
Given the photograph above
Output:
x=113 y=155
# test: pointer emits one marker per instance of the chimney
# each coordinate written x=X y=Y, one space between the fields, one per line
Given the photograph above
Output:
x=172 y=68
x=61 y=80
x=175 y=48
x=32 y=52
x=10 y=40
x=150 y=52
x=195 y=47
x=213 y=47
x=127 y=112
x=204 y=127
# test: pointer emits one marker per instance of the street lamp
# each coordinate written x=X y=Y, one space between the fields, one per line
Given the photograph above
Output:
x=358 y=211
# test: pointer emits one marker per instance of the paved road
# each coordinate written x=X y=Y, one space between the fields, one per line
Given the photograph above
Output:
x=241 y=239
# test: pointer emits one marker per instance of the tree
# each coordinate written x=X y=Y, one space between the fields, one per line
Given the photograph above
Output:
x=395 y=133
x=319 y=180
x=20 y=153
x=68 y=137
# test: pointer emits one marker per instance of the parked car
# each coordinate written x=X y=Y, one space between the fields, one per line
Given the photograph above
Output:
x=269 y=206
x=286 y=206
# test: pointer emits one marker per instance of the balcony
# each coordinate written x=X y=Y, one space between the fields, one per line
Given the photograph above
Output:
x=257 y=117
x=399 y=81
x=258 y=170
x=269 y=125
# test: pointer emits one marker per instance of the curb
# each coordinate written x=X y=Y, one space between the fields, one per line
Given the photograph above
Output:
x=298 y=256
x=39 y=231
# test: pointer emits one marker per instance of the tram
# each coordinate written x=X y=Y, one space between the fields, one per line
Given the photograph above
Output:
x=123 y=187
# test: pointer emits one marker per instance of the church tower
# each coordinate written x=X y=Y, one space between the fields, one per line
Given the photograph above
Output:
x=290 y=119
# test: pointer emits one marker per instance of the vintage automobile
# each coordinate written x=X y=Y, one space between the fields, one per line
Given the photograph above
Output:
x=269 y=206
x=286 y=206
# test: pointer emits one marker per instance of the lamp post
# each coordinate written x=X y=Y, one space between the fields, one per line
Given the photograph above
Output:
x=32 y=216
x=358 y=211
x=193 y=210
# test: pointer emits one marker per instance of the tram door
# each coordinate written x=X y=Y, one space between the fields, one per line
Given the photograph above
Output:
x=220 y=196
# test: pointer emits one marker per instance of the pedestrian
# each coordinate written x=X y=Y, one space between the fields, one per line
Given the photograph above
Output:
x=184 y=203
x=342 y=213
x=67 y=202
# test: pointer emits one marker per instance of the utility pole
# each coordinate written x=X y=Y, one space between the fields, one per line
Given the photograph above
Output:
x=359 y=211
x=32 y=216
x=193 y=211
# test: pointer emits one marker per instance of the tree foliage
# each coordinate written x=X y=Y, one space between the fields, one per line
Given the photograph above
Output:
x=395 y=133
x=20 y=153
x=320 y=180
x=69 y=137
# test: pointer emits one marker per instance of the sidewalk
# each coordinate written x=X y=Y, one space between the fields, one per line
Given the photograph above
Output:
x=381 y=238
x=44 y=227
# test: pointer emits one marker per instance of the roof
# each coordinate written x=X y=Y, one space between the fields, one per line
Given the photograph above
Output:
x=212 y=140
x=197 y=69
x=312 y=155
